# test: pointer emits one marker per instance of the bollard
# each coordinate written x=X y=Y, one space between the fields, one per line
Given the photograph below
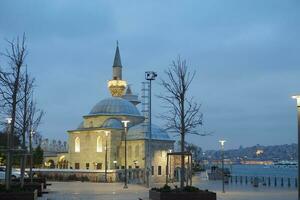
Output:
x=275 y=181
x=241 y=179
x=246 y=181
x=296 y=182
x=256 y=182
x=235 y=179
x=269 y=181
x=230 y=179
x=289 y=182
x=281 y=181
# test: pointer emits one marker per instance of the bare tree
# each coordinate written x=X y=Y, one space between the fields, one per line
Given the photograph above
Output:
x=35 y=117
x=183 y=114
x=23 y=117
x=16 y=95
x=9 y=91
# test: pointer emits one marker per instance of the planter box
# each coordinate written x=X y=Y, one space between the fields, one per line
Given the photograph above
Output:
x=200 y=195
x=30 y=187
x=34 y=180
x=34 y=186
x=21 y=195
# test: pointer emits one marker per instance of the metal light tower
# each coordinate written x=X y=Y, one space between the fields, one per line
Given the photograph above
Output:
x=222 y=142
x=125 y=124
x=297 y=97
x=106 y=137
x=150 y=76
x=8 y=159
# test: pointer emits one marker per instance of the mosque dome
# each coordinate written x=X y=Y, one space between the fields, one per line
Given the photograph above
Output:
x=112 y=123
x=115 y=106
x=138 y=132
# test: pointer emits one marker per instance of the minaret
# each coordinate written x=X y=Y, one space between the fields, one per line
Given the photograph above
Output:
x=117 y=66
x=117 y=86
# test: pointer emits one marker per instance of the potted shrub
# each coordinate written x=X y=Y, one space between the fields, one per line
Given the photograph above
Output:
x=188 y=192
x=17 y=193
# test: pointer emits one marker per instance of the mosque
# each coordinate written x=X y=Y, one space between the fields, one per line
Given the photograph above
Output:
x=98 y=143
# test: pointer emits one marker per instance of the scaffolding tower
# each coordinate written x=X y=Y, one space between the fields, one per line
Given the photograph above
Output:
x=146 y=129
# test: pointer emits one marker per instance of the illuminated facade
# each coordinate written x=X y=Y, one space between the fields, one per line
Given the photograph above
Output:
x=101 y=133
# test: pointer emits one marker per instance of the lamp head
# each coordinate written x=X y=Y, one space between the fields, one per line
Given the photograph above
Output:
x=297 y=97
x=8 y=119
x=222 y=142
x=125 y=123
x=106 y=133
x=149 y=75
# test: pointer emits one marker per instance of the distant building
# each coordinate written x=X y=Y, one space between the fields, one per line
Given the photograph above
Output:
x=102 y=125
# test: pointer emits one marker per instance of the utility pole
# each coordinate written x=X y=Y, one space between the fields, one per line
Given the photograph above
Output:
x=125 y=124
x=222 y=142
x=8 y=159
x=31 y=154
x=106 y=136
x=150 y=76
x=297 y=97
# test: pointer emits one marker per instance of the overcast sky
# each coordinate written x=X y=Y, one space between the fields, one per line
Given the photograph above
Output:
x=246 y=54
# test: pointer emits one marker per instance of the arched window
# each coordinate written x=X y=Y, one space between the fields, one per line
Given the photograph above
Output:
x=137 y=151
x=77 y=144
x=129 y=151
x=99 y=144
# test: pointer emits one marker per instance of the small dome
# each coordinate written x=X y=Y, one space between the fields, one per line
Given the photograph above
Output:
x=112 y=123
x=115 y=106
x=81 y=126
x=138 y=132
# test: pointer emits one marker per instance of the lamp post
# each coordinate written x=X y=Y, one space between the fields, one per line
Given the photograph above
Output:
x=8 y=159
x=222 y=142
x=106 y=137
x=297 y=97
x=150 y=76
x=125 y=124
x=115 y=162
x=31 y=155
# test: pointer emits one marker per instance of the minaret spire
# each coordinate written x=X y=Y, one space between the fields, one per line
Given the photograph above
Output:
x=117 y=60
x=117 y=86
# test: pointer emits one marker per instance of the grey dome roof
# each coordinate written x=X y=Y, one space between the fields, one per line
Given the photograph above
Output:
x=112 y=123
x=115 y=106
x=138 y=132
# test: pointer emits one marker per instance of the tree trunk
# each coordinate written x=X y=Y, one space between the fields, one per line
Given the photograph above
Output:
x=182 y=171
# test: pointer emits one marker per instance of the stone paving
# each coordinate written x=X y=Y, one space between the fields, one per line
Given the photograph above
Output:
x=114 y=191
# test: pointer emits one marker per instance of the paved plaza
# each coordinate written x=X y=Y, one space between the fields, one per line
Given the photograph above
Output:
x=114 y=191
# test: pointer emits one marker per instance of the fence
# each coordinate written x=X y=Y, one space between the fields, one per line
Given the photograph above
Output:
x=263 y=180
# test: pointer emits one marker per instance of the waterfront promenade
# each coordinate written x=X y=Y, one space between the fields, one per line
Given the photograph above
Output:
x=114 y=191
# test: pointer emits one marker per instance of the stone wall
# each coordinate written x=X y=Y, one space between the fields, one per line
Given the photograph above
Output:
x=134 y=175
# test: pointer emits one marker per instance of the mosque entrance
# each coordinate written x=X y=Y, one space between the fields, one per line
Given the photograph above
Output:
x=62 y=163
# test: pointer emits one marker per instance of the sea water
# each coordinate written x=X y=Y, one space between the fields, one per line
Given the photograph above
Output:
x=263 y=170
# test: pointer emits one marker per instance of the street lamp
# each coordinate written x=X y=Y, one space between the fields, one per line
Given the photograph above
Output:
x=125 y=124
x=150 y=76
x=115 y=162
x=8 y=160
x=31 y=155
x=106 y=136
x=222 y=142
x=297 y=97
